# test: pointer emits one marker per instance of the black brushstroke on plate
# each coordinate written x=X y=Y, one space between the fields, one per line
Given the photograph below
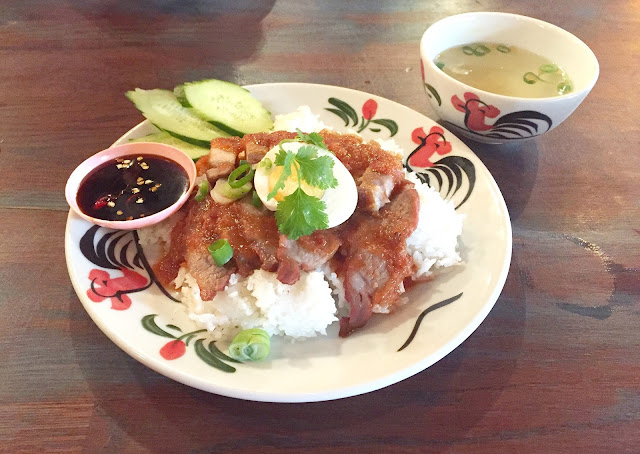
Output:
x=147 y=267
x=432 y=308
x=105 y=254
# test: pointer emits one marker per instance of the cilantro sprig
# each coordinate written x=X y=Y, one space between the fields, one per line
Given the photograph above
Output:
x=313 y=139
x=299 y=213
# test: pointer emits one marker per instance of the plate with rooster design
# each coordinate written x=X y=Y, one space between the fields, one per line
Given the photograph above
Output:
x=113 y=278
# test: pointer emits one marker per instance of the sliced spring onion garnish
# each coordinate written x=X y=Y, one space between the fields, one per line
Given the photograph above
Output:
x=221 y=251
x=203 y=190
x=564 y=87
x=482 y=49
x=266 y=163
x=530 y=78
x=223 y=192
x=255 y=200
x=240 y=176
x=468 y=50
x=549 y=68
x=478 y=50
x=250 y=345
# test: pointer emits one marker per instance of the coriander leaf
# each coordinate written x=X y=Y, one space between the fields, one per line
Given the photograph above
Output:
x=284 y=159
x=315 y=171
x=307 y=152
x=300 y=214
x=312 y=139
x=281 y=156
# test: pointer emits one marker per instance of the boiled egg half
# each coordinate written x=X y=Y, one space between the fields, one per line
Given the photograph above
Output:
x=341 y=201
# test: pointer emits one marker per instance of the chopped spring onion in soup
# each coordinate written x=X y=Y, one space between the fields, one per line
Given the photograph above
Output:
x=504 y=70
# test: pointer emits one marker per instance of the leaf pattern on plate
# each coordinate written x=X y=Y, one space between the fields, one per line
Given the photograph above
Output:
x=369 y=109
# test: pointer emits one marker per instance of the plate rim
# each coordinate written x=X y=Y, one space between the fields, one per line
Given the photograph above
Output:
x=189 y=379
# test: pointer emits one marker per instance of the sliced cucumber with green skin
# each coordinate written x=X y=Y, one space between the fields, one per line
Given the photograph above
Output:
x=195 y=142
x=162 y=109
x=178 y=91
x=193 y=151
x=227 y=106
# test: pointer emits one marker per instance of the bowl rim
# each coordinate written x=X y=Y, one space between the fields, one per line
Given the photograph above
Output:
x=149 y=148
x=547 y=99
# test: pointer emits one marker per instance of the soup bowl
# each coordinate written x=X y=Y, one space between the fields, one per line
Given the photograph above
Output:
x=493 y=118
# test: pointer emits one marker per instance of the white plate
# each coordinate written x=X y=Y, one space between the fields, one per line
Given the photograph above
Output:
x=327 y=367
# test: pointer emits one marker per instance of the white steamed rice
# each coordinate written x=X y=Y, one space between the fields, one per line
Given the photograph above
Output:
x=261 y=301
x=434 y=243
x=308 y=307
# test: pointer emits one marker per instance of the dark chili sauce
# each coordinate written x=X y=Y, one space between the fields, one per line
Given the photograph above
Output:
x=132 y=187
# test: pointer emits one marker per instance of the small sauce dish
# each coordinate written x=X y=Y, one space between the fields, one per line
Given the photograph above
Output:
x=493 y=118
x=131 y=186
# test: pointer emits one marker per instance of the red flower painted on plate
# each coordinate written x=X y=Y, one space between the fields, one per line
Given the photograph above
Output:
x=475 y=111
x=365 y=121
x=369 y=109
x=173 y=349
x=103 y=286
x=432 y=143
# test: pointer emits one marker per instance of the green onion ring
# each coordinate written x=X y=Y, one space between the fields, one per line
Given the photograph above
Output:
x=221 y=251
x=504 y=49
x=250 y=345
x=564 y=87
x=530 y=78
x=235 y=180
x=481 y=50
x=203 y=190
x=468 y=50
x=549 y=68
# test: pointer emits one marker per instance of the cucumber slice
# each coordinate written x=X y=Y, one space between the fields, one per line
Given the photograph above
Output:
x=162 y=109
x=178 y=91
x=193 y=151
x=227 y=106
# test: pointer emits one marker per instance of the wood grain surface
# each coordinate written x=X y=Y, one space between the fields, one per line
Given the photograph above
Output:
x=555 y=368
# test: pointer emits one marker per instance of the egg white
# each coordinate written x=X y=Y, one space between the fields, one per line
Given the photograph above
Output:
x=341 y=201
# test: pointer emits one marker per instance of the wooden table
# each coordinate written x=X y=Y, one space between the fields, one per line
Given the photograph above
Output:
x=554 y=368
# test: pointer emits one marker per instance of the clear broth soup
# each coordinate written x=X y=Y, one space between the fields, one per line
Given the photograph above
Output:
x=504 y=70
